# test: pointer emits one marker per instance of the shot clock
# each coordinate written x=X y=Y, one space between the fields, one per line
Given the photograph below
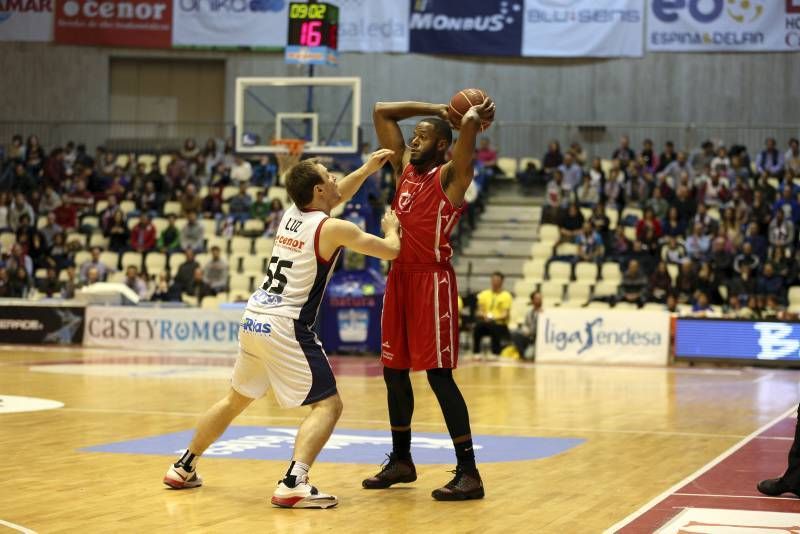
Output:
x=313 y=33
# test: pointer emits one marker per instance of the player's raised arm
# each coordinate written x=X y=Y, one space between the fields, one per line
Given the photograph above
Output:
x=353 y=181
x=338 y=233
x=386 y=115
x=457 y=174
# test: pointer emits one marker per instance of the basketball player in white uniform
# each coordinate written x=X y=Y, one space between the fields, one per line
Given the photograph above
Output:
x=277 y=346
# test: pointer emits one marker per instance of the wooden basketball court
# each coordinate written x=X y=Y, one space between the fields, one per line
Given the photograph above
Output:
x=640 y=431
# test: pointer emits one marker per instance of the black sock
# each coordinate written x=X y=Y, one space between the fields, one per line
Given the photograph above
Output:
x=187 y=461
x=465 y=455
x=401 y=444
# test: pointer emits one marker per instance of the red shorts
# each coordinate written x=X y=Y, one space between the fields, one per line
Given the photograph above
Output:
x=419 y=325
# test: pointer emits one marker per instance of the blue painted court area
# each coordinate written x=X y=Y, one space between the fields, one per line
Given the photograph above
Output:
x=345 y=446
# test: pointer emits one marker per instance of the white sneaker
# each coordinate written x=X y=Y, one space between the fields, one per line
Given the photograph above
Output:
x=303 y=495
x=180 y=478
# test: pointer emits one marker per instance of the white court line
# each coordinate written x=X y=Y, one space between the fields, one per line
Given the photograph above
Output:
x=384 y=422
x=645 y=508
x=16 y=527
x=738 y=496
x=765 y=377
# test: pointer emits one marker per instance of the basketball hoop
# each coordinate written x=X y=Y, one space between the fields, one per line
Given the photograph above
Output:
x=289 y=154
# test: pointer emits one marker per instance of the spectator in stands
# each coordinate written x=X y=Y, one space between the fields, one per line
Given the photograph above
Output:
x=648 y=220
x=5 y=201
x=783 y=264
x=95 y=263
x=703 y=218
x=590 y=244
x=620 y=246
x=571 y=171
x=614 y=192
x=143 y=235
x=135 y=282
x=721 y=260
x=597 y=175
x=259 y=209
x=648 y=156
x=770 y=160
x=50 y=200
x=657 y=204
x=274 y=218
x=600 y=222
x=791 y=159
x=70 y=283
x=50 y=285
x=118 y=233
x=16 y=150
x=191 y=201
x=738 y=169
x=633 y=286
x=552 y=159
x=702 y=159
x=198 y=287
x=492 y=314
x=192 y=234
x=150 y=201
x=239 y=205
x=698 y=244
x=770 y=283
x=18 y=208
x=721 y=161
x=21 y=179
x=59 y=257
x=746 y=257
x=569 y=225
x=164 y=291
x=215 y=272
x=708 y=283
x=556 y=198
x=4 y=290
x=169 y=240
x=241 y=171
x=212 y=203
x=34 y=155
x=19 y=259
x=624 y=153
x=588 y=193
x=701 y=306
x=92 y=277
x=264 y=172
x=524 y=337
x=674 y=170
x=486 y=156
x=577 y=151
x=780 y=231
x=714 y=192
x=189 y=150
x=80 y=200
x=685 y=282
x=185 y=271
x=19 y=283
x=673 y=252
x=788 y=204
x=660 y=283
x=769 y=193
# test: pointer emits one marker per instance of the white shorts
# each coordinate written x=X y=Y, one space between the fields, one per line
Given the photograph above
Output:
x=285 y=354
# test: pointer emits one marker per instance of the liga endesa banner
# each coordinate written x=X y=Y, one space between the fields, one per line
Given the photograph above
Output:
x=41 y=324
x=583 y=28
x=26 y=20
x=603 y=336
x=373 y=26
x=228 y=23
x=137 y=23
x=723 y=25
x=161 y=328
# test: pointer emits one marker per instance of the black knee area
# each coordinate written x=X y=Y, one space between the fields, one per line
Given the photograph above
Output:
x=396 y=379
x=454 y=409
x=440 y=379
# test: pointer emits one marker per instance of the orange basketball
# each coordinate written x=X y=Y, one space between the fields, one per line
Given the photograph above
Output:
x=460 y=104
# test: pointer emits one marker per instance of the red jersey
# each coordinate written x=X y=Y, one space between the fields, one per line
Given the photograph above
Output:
x=426 y=215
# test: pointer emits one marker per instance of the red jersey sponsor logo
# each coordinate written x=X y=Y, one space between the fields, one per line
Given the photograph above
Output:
x=139 y=23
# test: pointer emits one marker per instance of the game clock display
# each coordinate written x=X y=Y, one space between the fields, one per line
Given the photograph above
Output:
x=313 y=33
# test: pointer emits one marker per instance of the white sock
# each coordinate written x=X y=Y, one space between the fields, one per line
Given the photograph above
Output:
x=299 y=469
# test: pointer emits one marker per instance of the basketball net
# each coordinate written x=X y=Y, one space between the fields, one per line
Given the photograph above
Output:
x=289 y=154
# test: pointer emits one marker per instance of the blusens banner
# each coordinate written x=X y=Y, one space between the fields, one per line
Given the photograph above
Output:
x=583 y=28
x=723 y=25
x=477 y=27
x=137 y=23
x=607 y=336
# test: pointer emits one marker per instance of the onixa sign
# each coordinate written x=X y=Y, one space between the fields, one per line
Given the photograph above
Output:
x=345 y=446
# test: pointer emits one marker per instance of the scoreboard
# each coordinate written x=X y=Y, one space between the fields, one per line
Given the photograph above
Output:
x=313 y=34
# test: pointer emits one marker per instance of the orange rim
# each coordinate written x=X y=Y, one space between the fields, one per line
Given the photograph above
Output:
x=293 y=146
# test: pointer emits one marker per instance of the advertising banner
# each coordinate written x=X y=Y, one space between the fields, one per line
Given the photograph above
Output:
x=162 y=328
x=137 y=23
x=603 y=336
x=350 y=319
x=583 y=28
x=26 y=20
x=723 y=25
x=737 y=340
x=41 y=324
x=478 y=27
x=370 y=26
x=232 y=23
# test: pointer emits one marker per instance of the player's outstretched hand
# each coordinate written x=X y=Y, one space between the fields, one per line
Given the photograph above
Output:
x=378 y=159
x=390 y=222
x=483 y=112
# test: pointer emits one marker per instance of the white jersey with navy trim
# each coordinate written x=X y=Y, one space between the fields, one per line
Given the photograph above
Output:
x=296 y=274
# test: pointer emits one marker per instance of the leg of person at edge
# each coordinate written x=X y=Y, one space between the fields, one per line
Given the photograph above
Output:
x=789 y=482
x=420 y=318
x=277 y=346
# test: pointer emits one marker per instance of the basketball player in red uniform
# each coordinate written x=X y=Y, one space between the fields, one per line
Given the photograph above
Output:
x=420 y=311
